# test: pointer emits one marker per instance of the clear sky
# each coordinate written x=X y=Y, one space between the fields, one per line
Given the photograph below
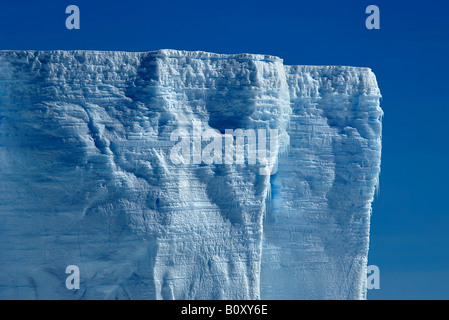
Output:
x=409 y=55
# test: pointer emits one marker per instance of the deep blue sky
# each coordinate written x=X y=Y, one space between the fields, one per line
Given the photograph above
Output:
x=409 y=54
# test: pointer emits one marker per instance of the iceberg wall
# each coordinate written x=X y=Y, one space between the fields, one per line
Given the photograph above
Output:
x=86 y=177
x=317 y=229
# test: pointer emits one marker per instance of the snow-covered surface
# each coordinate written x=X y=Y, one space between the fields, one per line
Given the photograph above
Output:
x=86 y=177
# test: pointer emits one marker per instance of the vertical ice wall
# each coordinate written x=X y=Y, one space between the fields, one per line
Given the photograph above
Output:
x=86 y=177
x=317 y=229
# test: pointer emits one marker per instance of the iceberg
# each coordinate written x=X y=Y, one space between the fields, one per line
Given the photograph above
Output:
x=87 y=176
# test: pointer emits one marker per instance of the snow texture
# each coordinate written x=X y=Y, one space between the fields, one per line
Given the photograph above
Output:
x=86 y=177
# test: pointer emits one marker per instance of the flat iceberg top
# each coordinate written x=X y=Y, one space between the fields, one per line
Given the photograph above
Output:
x=172 y=53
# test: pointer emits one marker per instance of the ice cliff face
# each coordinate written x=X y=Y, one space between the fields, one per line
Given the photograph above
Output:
x=317 y=230
x=86 y=177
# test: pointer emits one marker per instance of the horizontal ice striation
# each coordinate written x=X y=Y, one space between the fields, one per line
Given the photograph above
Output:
x=317 y=231
x=86 y=177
